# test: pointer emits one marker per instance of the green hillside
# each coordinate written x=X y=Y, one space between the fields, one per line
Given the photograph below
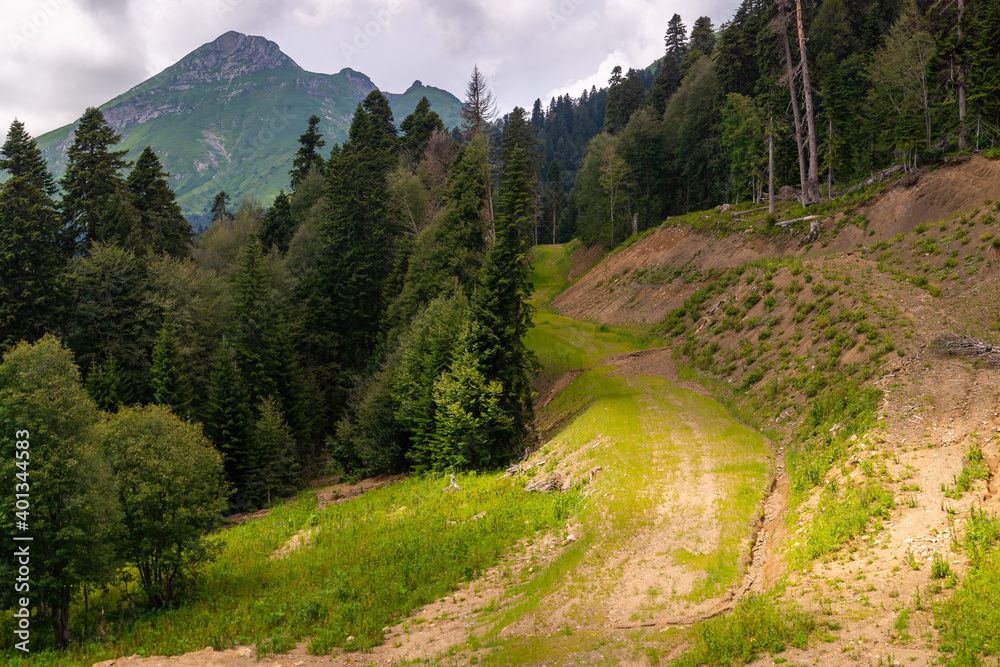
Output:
x=228 y=117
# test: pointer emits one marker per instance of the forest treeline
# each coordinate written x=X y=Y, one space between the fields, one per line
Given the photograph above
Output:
x=844 y=88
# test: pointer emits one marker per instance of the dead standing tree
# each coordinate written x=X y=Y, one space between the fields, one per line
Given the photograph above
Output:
x=808 y=180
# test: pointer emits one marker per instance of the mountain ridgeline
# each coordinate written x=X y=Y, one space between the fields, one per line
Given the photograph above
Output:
x=227 y=117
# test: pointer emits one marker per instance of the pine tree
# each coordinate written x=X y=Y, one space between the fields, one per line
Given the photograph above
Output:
x=220 y=208
x=92 y=176
x=278 y=225
x=229 y=421
x=168 y=380
x=32 y=251
x=480 y=108
x=418 y=127
x=161 y=229
x=308 y=154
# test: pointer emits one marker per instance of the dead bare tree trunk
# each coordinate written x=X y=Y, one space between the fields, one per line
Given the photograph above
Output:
x=782 y=27
x=812 y=181
x=963 y=84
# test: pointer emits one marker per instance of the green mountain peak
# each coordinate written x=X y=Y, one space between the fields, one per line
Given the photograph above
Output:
x=228 y=116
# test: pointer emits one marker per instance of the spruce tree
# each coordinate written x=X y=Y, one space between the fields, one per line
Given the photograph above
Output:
x=108 y=386
x=342 y=295
x=418 y=127
x=499 y=312
x=168 y=380
x=92 y=176
x=161 y=229
x=278 y=225
x=703 y=36
x=32 y=253
x=308 y=154
x=229 y=422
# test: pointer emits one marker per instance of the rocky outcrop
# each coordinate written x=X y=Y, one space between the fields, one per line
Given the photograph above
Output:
x=230 y=56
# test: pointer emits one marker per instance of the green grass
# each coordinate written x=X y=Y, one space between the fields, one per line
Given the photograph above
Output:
x=843 y=514
x=756 y=626
x=970 y=620
x=550 y=271
x=373 y=560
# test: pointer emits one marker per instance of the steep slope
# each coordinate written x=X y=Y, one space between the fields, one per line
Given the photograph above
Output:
x=228 y=117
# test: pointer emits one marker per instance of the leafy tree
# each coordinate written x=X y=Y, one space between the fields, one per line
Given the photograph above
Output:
x=640 y=144
x=900 y=96
x=613 y=182
x=278 y=225
x=169 y=484
x=690 y=132
x=743 y=130
x=161 y=228
x=449 y=252
x=31 y=243
x=308 y=154
x=113 y=314
x=168 y=379
x=92 y=176
x=220 y=208
x=418 y=127
x=73 y=517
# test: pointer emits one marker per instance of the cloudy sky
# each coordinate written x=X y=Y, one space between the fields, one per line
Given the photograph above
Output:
x=58 y=57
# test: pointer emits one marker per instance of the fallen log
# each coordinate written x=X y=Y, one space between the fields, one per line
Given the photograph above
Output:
x=785 y=223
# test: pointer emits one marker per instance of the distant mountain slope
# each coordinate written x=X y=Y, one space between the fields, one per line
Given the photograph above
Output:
x=229 y=114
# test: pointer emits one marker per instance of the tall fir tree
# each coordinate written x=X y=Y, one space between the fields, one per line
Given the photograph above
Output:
x=93 y=176
x=278 y=225
x=625 y=95
x=32 y=251
x=168 y=380
x=229 y=422
x=161 y=229
x=308 y=154
x=417 y=129
x=342 y=295
x=499 y=313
